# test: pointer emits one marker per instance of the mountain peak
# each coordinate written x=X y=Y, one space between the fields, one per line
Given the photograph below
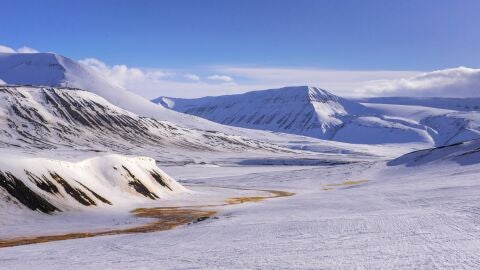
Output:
x=304 y=110
x=303 y=92
x=32 y=68
x=53 y=70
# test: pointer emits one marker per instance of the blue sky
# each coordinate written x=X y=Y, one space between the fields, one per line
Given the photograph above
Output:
x=201 y=37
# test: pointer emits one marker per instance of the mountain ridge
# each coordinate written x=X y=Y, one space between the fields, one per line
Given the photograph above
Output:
x=302 y=110
x=318 y=106
x=315 y=112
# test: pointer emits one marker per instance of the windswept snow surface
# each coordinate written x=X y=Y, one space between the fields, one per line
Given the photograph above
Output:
x=463 y=153
x=314 y=112
x=399 y=219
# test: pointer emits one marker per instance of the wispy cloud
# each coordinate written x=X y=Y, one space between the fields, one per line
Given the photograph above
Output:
x=122 y=74
x=342 y=82
x=192 y=77
x=220 y=78
x=152 y=83
x=453 y=82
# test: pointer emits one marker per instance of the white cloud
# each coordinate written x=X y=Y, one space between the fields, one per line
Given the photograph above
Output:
x=220 y=78
x=192 y=77
x=2 y=82
x=341 y=82
x=125 y=76
x=453 y=82
x=24 y=49
x=5 y=49
x=151 y=83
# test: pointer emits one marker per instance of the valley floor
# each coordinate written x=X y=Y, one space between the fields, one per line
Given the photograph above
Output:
x=362 y=215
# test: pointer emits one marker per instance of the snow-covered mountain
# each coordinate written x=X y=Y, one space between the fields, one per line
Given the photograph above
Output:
x=300 y=110
x=463 y=153
x=315 y=112
x=61 y=118
x=49 y=69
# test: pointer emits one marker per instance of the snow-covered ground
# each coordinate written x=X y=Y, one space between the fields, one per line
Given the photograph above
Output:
x=401 y=218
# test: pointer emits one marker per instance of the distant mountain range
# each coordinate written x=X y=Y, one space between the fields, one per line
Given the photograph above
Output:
x=317 y=113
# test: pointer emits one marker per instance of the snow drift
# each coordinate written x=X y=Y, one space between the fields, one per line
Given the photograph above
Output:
x=49 y=185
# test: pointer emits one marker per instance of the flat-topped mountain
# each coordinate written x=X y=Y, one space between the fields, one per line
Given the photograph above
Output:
x=301 y=110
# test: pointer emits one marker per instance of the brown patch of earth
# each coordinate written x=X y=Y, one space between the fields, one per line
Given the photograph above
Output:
x=166 y=218
x=343 y=184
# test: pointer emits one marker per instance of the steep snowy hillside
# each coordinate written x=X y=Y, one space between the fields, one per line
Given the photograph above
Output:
x=463 y=153
x=59 y=118
x=49 y=69
x=303 y=110
x=49 y=186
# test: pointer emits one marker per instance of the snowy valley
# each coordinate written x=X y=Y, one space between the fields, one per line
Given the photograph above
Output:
x=93 y=175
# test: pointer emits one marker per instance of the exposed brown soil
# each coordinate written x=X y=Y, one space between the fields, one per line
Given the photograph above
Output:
x=166 y=218
x=273 y=194
x=344 y=184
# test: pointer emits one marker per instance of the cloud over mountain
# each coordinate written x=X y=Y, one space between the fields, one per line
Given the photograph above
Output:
x=453 y=82
x=218 y=80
